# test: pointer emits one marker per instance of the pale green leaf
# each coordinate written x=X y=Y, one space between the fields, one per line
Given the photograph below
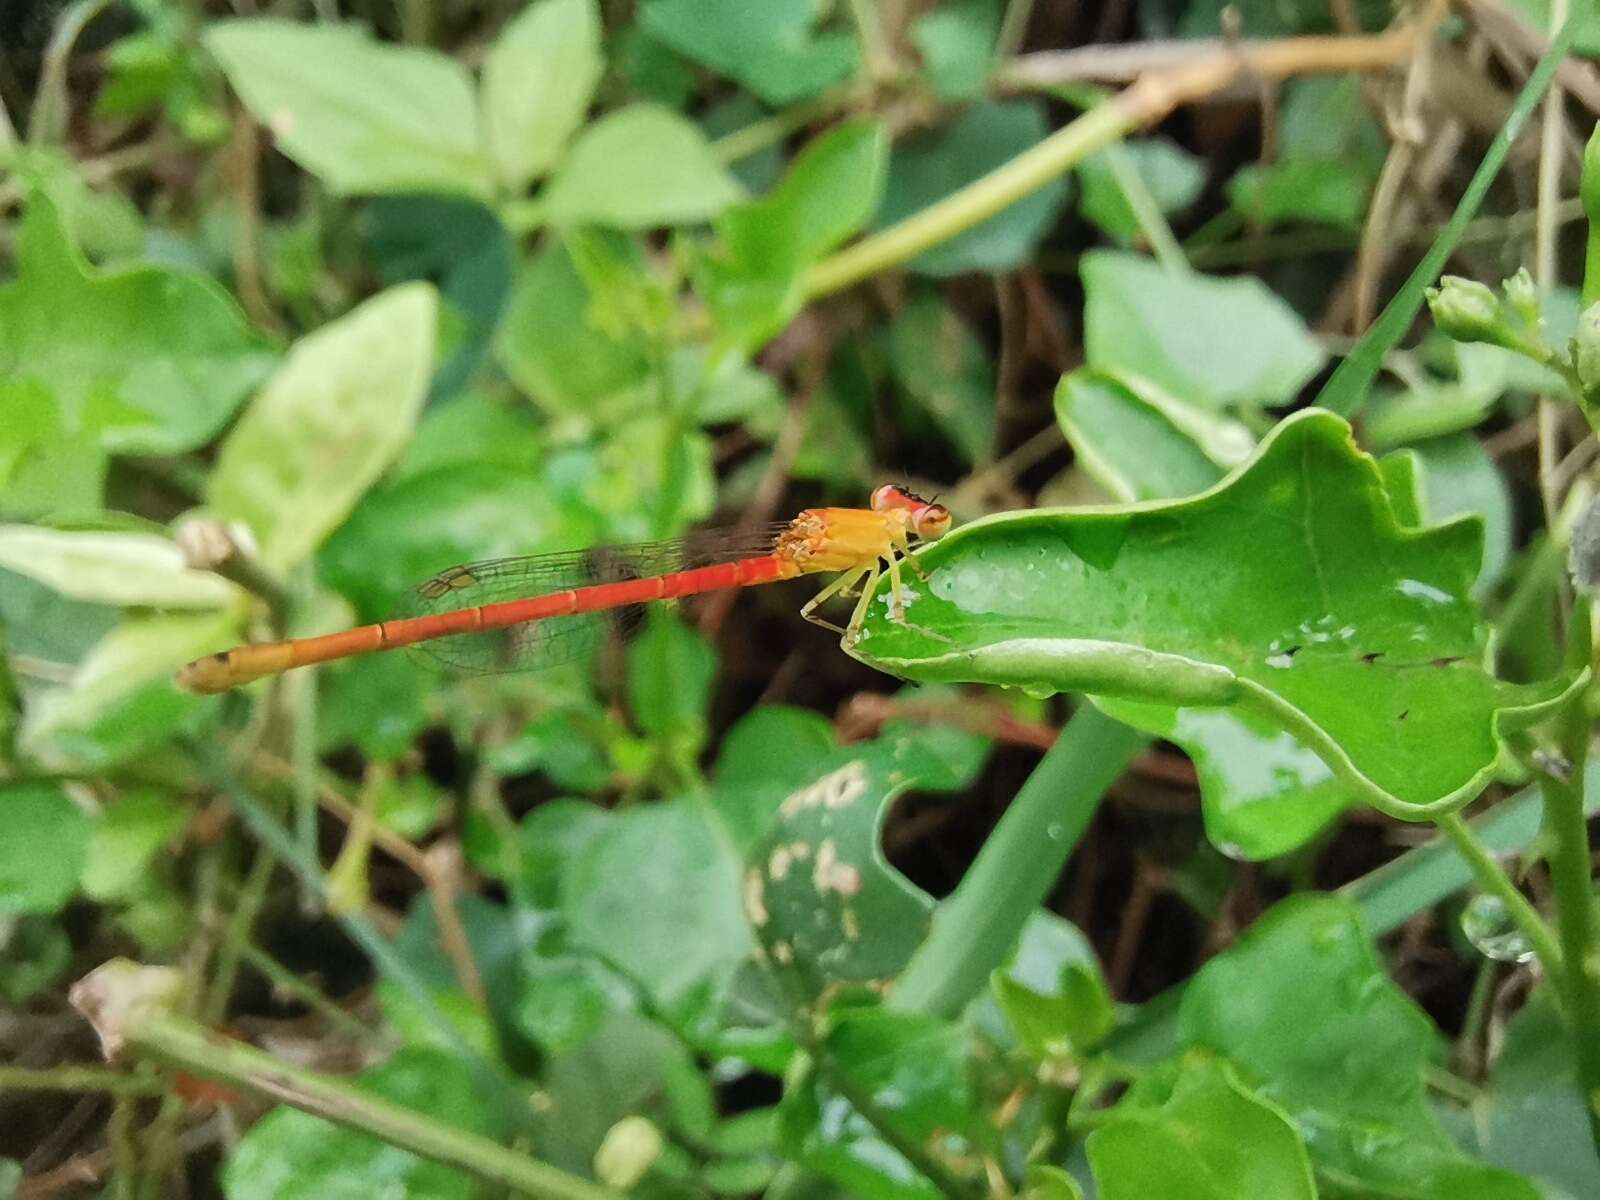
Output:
x=129 y=569
x=1215 y=342
x=362 y=116
x=537 y=84
x=640 y=168
x=328 y=424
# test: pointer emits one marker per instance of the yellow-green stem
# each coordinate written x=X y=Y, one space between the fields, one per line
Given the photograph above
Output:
x=973 y=204
x=183 y=1044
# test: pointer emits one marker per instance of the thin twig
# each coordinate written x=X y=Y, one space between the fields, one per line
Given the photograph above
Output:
x=1544 y=267
x=1144 y=103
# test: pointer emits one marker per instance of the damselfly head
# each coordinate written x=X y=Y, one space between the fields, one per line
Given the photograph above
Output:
x=927 y=520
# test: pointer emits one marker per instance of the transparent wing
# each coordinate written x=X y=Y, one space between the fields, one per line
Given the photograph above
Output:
x=535 y=645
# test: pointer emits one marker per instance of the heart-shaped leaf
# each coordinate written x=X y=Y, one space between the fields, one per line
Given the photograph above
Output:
x=1290 y=590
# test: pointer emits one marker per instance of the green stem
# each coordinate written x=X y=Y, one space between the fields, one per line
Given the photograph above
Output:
x=301 y=691
x=1589 y=193
x=975 y=929
x=237 y=936
x=973 y=204
x=1146 y=212
x=743 y=142
x=189 y=1047
x=1566 y=827
x=1495 y=881
x=78 y=1079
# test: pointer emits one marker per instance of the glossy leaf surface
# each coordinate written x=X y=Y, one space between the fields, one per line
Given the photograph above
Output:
x=1291 y=590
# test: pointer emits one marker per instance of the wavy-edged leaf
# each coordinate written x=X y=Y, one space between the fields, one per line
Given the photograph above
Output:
x=1207 y=1139
x=139 y=360
x=1302 y=1006
x=1290 y=590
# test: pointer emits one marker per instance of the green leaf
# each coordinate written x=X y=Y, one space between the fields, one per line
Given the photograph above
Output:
x=638 y=168
x=829 y=192
x=142 y=360
x=1358 y=1086
x=462 y=248
x=126 y=838
x=128 y=569
x=1218 y=343
x=374 y=703
x=1209 y=1140
x=1534 y=1121
x=121 y=697
x=1459 y=478
x=538 y=80
x=822 y=899
x=1289 y=590
x=956 y=42
x=327 y=424
x=1326 y=118
x=762 y=756
x=361 y=116
x=404 y=533
x=628 y=1067
x=1305 y=189
x=551 y=347
x=658 y=895
x=43 y=851
x=37 y=952
x=653 y=69
x=772 y=48
x=103 y=224
x=926 y=168
x=1262 y=793
x=1140 y=443
x=943 y=369
x=1051 y=1183
x=1050 y=997
x=914 y=1070
x=1071 y=1019
x=291 y=1155
x=476 y=428
x=1173 y=177
x=670 y=669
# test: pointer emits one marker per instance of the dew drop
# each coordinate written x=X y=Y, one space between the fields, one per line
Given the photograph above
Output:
x=1488 y=926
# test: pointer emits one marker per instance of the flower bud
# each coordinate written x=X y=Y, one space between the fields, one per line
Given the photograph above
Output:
x=1523 y=297
x=1586 y=352
x=1468 y=311
x=627 y=1152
